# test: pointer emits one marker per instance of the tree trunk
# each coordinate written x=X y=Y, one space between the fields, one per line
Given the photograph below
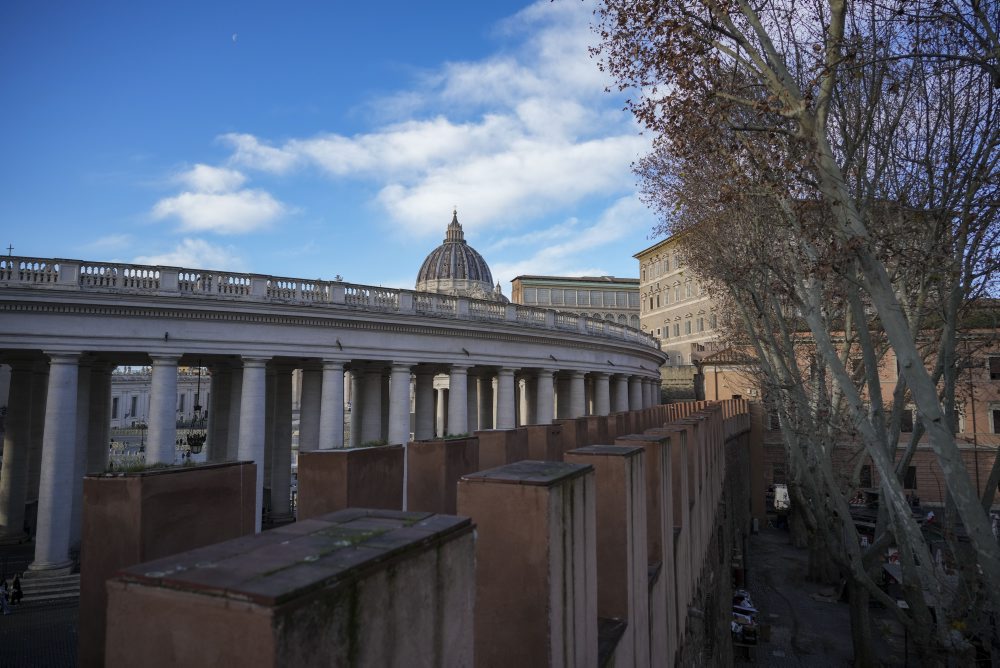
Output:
x=861 y=626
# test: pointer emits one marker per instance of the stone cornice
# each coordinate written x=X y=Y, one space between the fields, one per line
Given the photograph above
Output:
x=346 y=318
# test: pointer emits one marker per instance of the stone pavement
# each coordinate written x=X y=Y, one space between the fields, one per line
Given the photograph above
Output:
x=36 y=634
x=805 y=631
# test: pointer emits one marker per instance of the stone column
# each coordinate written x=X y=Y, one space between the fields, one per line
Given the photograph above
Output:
x=55 y=483
x=458 y=422
x=472 y=403
x=602 y=393
x=505 y=399
x=399 y=404
x=543 y=394
x=621 y=393
x=424 y=399
x=563 y=400
x=16 y=450
x=310 y=401
x=371 y=406
x=357 y=404
x=529 y=400
x=331 y=409
x=486 y=420
x=235 y=401
x=634 y=393
x=162 y=433
x=252 y=423
x=99 y=422
x=39 y=398
x=217 y=430
x=383 y=434
x=281 y=453
x=441 y=412
x=83 y=380
x=577 y=395
x=269 y=399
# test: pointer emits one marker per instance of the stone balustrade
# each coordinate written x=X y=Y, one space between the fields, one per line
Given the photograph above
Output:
x=170 y=281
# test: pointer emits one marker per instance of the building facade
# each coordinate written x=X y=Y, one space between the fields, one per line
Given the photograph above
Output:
x=599 y=297
x=674 y=304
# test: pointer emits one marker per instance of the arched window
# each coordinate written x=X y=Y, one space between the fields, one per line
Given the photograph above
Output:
x=622 y=320
x=609 y=316
x=634 y=321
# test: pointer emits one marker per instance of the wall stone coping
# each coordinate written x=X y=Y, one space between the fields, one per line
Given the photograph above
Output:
x=643 y=438
x=285 y=563
x=177 y=468
x=530 y=472
x=608 y=450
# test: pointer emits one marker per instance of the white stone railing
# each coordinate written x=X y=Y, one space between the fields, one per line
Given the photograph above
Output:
x=200 y=283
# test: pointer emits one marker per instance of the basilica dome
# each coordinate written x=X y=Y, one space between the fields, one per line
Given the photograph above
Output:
x=456 y=268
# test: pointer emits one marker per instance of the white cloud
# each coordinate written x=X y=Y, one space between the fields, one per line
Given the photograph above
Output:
x=110 y=243
x=213 y=203
x=622 y=219
x=208 y=179
x=196 y=253
x=507 y=138
x=223 y=213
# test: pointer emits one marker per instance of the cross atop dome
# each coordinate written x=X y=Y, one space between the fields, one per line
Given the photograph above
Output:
x=454 y=231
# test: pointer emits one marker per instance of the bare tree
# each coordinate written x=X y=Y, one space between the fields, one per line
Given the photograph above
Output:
x=864 y=139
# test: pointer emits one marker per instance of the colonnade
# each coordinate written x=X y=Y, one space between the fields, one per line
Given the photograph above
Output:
x=57 y=426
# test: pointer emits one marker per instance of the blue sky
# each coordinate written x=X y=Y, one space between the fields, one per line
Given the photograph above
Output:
x=305 y=139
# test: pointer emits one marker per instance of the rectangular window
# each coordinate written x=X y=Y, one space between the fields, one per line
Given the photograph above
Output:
x=657 y=332
x=677 y=329
x=609 y=299
x=180 y=403
x=995 y=417
x=994 y=367
x=701 y=324
x=712 y=321
x=906 y=422
x=866 y=475
x=134 y=413
x=557 y=297
x=687 y=326
x=570 y=297
x=677 y=293
x=911 y=478
x=633 y=299
x=666 y=331
x=650 y=303
x=595 y=298
x=688 y=290
x=666 y=265
x=621 y=299
x=530 y=296
x=583 y=298
x=657 y=301
x=114 y=408
x=778 y=474
x=543 y=296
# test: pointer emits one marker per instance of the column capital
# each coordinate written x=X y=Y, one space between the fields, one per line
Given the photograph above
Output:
x=459 y=367
x=399 y=367
x=61 y=357
x=506 y=371
x=159 y=359
x=333 y=364
x=255 y=362
x=545 y=372
x=600 y=374
x=577 y=374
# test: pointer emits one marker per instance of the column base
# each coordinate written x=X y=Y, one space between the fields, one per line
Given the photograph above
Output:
x=36 y=570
